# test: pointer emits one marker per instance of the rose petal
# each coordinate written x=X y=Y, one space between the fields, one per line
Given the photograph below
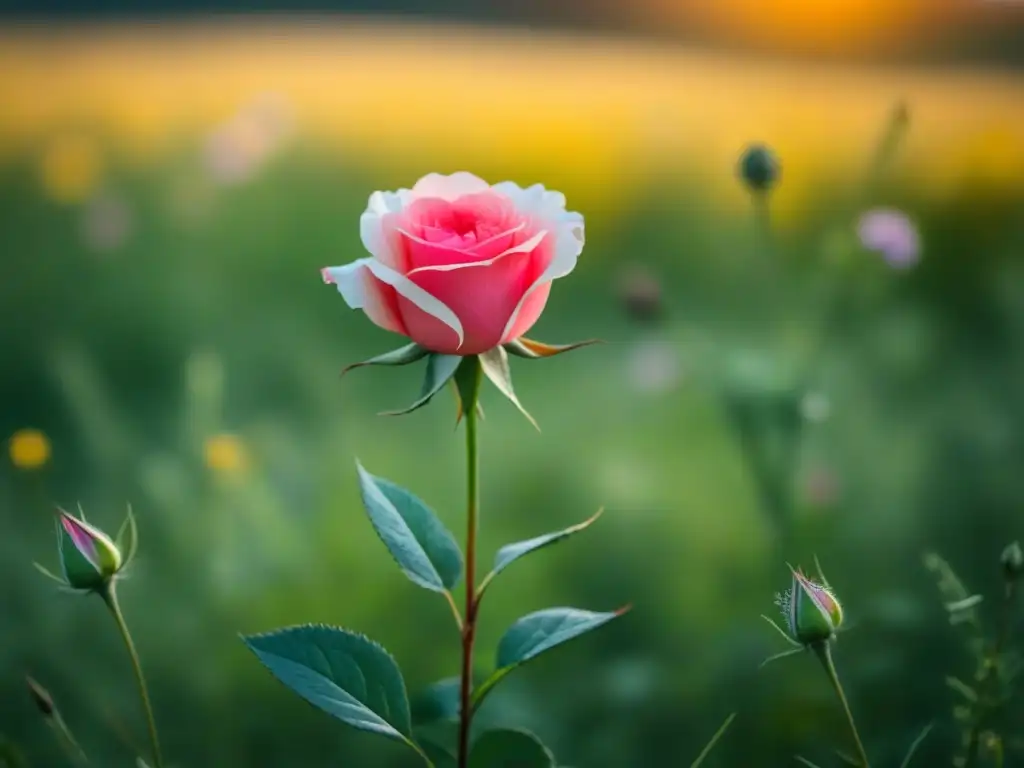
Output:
x=362 y=290
x=526 y=246
x=449 y=187
x=568 y=229
x=499 y=242
x=483 y=299
x=378 y=238
x=81 y=535
x=353 y=289
x=527 y=312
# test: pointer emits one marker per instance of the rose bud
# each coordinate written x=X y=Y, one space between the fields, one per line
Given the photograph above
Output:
x=811 y=611
x=89 y=558
x=812 y=614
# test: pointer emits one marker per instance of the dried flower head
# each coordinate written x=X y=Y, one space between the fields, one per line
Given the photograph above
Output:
x=759 y=168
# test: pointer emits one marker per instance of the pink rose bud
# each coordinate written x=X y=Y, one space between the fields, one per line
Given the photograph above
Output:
x=458 y=265
x=89 y=559
x=811 y=611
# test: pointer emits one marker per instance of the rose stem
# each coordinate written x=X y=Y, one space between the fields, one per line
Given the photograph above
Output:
x=110 y=598
x=824 y=653
x=469 y=394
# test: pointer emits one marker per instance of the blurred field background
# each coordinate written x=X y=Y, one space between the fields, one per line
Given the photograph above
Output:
x=169 y=188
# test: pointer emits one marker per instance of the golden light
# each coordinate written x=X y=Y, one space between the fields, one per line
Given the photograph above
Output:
x=809 y=26
x=71 y=168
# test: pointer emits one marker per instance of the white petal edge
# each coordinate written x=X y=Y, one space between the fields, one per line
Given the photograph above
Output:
x=450 y=187
x=570 y=238
x=370 y=231
x=524 y=247
x=348 y=280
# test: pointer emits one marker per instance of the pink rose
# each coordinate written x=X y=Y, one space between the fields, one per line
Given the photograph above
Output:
x=460 y=266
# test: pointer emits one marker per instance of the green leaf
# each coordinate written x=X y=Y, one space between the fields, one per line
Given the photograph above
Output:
x=343 y=673
x=440 y=368
x=805 y=761
x=439 y=740
x=128 y=538
x=512 y=552
x=467 y=382
x=524 y=347
x=508 y=748
x=917 y=743
x=495 y=366
x=438 y=701
x=410 y=353
x=714 y=740
x=536 y=633
x=962 y=688
x=424 y=549
x=440 y=755
x=967 y=604
x=953 y=591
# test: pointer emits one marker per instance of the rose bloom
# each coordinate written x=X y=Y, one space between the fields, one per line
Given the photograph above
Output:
x=458 y=265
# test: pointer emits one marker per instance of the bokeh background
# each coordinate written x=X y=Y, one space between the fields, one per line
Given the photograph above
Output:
x=174 y=174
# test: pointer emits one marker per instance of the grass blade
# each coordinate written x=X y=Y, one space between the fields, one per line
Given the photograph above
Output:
x=714 y=740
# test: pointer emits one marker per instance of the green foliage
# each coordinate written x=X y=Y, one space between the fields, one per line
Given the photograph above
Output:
x=512 y=552
x=410 y=353
x=343 y=673
x=939 y=350
x=438 y=701
x=536 y=633
x=440 y=369
x=424 y=549
x=10 y=755
x=468 y=379
x=507 y=748
x=714 y=740
x=996 y=664
x=495 y=366
x=916 y=744
x=128 y=538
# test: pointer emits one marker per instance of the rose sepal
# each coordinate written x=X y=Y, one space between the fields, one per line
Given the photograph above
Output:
x=406 y=355
x=440 y=369
x=534 y=350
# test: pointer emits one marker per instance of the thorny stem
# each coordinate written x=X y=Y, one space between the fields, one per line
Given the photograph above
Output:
x=110 y=598
x=990 y=676
x=824 y=653
x=472 y=603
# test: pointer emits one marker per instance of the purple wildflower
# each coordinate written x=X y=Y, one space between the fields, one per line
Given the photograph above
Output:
x=892 y=234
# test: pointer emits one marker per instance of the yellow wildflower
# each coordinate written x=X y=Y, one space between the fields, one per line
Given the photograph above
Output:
x=29 y=449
